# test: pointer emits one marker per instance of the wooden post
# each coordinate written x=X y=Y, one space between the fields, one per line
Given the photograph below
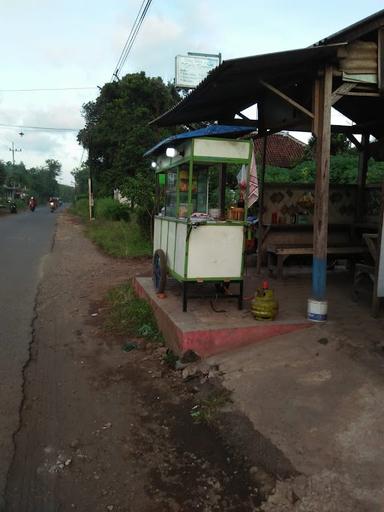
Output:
x=377 y=287
x=260 y=231
x=320 y=221
x=91 y=202
x=362 y=176
x=380 y=59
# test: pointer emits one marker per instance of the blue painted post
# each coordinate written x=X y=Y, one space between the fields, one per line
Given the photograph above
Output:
x=322 y=129
x=319 y=278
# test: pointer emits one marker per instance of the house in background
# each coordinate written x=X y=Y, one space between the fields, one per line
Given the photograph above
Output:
x=13 y=192
x=283 y=150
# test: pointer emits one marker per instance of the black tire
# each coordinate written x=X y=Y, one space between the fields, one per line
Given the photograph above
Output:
x=159 y=270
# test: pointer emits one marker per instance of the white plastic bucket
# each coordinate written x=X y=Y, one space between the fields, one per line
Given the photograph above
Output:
x=317 y=310
x=215 y=213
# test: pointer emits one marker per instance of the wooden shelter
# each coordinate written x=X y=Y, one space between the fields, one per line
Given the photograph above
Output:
x=295 y=90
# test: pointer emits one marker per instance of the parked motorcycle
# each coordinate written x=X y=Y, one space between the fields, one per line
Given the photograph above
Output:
x=12 y=206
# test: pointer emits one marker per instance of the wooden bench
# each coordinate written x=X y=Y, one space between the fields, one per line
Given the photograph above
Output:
x=283 y=251
x=370 y=270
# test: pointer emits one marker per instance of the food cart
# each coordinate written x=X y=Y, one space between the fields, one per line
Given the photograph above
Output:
x=198 y=235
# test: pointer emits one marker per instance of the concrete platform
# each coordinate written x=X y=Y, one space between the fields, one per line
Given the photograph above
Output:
x=212 y=325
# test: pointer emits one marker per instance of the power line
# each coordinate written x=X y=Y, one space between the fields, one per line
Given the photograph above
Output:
x=49 y=89
x=131 y=37
x=136 y=31
x=82 y=157
x=117 y=68
x=40 y=128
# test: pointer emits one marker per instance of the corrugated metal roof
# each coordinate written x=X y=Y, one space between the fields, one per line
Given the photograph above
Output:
x=213 y=130
x=358 y=29
x=235 y=84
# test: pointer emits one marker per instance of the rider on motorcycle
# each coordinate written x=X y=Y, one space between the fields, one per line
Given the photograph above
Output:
x=32 y=203
x=52 y=204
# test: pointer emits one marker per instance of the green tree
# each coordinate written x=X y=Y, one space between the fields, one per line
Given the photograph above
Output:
x=375 y=171
x=141 y=190
x=81 y=175
x=16 y=175
x=3 y=173
x=117 y=132
x=339 y=144
x=43 y=180
x=66 y=193
x=343 y=169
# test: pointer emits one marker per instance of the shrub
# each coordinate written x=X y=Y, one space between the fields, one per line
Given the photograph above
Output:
x=109 y=209
x=20 y=204
x=81 y=208
x=120 y=239
x=144 y=221
x=81 y=196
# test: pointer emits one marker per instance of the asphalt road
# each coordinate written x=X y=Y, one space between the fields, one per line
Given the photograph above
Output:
x=25 y=239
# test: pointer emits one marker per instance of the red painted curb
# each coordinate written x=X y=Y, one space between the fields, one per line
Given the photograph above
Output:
x=212 y=341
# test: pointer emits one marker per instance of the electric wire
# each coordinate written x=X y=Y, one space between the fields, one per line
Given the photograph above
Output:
x=40 y=128
x=82 y=157
x=131 y=37
x=49 y=89
x=117 y=68
x=136 y=31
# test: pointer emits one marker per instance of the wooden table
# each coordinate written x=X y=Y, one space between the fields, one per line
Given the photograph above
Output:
x=283 y=251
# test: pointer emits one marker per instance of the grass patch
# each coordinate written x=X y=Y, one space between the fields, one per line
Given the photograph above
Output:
x=207 y=409
x=111 y=230
x=80 y=208
x=131 y=315
x=118 y=238
x=107 y=208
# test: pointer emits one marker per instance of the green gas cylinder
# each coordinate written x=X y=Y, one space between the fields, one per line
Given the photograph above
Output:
x=264 y=306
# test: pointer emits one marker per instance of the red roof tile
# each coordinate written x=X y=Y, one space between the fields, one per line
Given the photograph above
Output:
x=283 y=150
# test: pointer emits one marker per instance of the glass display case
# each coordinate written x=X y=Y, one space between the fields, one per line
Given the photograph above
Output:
x=170 y=193
x=195 y=238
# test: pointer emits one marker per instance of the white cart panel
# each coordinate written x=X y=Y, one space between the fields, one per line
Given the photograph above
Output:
x=222 y=149
x=215 y=252
x=164 y=235
x=171 y=244
x=181 y=240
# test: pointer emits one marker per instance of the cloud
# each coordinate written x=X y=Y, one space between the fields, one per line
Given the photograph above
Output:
x=161 y=38
x=40 y=143
x=56 y=116
x=38 y=146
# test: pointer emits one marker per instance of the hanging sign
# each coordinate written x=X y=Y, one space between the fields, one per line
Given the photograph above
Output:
x=191 y=69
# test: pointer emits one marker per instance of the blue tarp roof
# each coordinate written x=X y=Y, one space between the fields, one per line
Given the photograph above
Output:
x=213 y=130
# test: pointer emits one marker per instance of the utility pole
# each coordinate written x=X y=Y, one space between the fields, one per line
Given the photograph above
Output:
x=14 y=150
x=91 y=200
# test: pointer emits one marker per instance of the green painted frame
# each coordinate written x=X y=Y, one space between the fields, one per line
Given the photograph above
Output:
x=208 y=160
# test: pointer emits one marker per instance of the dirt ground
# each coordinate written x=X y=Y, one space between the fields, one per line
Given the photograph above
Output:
x=106 y=430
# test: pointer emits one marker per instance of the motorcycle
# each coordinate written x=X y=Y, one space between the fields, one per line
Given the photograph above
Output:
x=32 y=204
x=52 y=206
x=12 y=206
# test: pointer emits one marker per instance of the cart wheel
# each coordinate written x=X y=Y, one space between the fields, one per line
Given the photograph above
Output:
x=159 y=270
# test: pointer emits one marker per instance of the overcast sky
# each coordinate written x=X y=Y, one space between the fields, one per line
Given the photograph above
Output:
x=76 y=44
